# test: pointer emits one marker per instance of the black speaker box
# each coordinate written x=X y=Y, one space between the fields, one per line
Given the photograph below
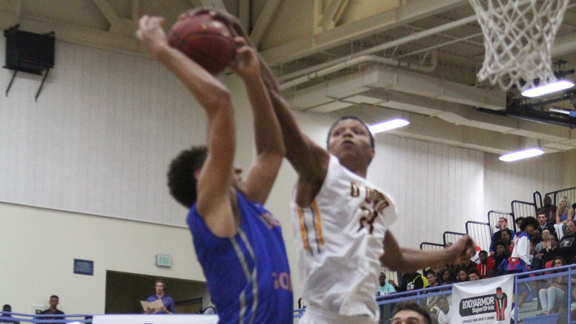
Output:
x=29 y=52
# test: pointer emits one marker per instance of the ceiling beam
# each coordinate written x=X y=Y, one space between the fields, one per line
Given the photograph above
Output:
x=356 y=30
x=330 y=14
x=263 y=22
x=117 y=24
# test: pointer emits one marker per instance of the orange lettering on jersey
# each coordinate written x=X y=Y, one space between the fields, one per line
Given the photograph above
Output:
x=318 y=223
x=303 y=230
x=376 y=201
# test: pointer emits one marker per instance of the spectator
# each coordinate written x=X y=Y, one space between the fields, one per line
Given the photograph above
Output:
x=544 y=235
x=54 y=301
x=417 y=281
x=445 y=313
x=410 y=313
x=168 y=302
x=567 y=246
x=468 y=264
x=506 y=237
x=552 y=295
x=550 y=250
x=385 y=287
x=7 y=309
x=518 y=221
x=473 y=275
x=462 y=275
x=448 y=277
x=549 y=210
x=502 y=226
x=564 y=213
x=544 y=225
x=486 y=264
x=502 y=254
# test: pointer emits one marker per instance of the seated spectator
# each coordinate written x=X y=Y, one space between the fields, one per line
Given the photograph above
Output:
x=552 y=295
x=448 y=277
x=550 y=249
x=544 y=236
x=506 y=237
x=549 y=210
x=518 y=221
x=502 y=226
x=502 y=254
x=462 y=275
x=567 y=246
x=473 y=275
x=544 y=226
x=564 y=213
x=468 y=264
x=486 y=264
x=432 y=282
x=385 y=287
x=7 y=309
x=410 y=313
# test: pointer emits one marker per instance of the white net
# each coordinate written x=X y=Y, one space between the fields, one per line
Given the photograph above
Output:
x=518 y=39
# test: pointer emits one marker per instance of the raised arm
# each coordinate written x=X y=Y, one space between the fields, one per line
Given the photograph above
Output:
x=408 y=260
x=269 y=146
x=215 y=177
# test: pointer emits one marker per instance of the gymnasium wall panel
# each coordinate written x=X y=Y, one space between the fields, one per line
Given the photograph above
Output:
x=436 y=187
x=507 y=181
x=100 y=137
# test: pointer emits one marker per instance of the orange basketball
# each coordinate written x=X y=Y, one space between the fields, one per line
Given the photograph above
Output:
x=205 y=40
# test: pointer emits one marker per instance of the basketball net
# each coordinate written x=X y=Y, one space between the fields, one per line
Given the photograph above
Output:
x=518 y=39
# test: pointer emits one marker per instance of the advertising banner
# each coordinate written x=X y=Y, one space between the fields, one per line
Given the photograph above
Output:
x=155 y=319
x=483 y=301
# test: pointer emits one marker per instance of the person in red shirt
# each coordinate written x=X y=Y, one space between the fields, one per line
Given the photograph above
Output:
x=485 y=264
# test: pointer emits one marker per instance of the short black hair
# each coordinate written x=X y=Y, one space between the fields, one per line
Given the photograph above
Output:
x=54 y=296
x=474 y=271
x=412 y=306
x=519 y=219
x=501 y=243
x=529 y=221
x=483 y=252
x=181 y=180
x=350 y=117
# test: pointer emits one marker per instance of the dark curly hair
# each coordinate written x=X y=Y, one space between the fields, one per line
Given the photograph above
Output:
x=350 y=117
x=181 y=180
x=529 y=221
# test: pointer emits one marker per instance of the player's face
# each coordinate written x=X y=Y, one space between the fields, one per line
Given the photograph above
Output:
x=408 y=317
x=350 y=139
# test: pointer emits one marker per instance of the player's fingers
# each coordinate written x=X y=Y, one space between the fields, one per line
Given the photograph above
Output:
x=240 y=41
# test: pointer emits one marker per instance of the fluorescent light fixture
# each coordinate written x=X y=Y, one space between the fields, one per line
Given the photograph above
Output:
x=547 y=88
x=519 y=155
x=388 y=125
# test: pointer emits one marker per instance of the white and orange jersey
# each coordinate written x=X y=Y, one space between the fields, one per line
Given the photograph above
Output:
x=340 y=240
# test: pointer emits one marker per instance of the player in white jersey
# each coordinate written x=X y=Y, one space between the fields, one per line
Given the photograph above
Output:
x=341 y=223
x=341 y=220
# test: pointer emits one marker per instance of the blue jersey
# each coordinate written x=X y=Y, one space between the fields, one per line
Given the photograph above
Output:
x=247 y=275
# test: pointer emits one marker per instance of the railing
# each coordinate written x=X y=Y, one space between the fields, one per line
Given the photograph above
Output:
x=431 y=246
x=537 y=197
x=494 y=216
x=523 y=209
x=44 y=319
x=451 y=237
x=558 y=194
x=480 y=233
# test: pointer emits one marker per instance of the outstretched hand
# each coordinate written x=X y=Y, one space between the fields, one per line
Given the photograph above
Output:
x=151 y=34
x=246 y=64
x=463 y=249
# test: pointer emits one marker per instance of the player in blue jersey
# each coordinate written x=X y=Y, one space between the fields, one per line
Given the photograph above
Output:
x=238 y=243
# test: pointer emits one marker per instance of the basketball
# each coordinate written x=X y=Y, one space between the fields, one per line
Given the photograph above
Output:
x=205 y=40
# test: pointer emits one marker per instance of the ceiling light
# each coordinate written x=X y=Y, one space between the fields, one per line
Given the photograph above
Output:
x=388 y=125
x=519 y=155
x=547 y=88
